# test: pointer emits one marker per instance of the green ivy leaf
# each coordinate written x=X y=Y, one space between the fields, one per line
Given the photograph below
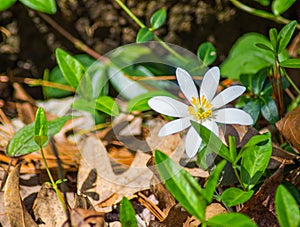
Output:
x=235 y=196
x=212 y=141
x=40 y=128
x=207 y=53
x=23 y=141
x=144 y=35
x=231 y=220
x=5 y=4
x=181 y=185
x=127 y=214
x=212 y=182
x=45 y=6
x=255 y=158
x=253 y=107
x=71 y=68
x=287 y=209
x=269 y=109
x=107 y=104
x=291 y=63
x=285 y=35
x=140 y=102
x=158 y=18
x=280 y=6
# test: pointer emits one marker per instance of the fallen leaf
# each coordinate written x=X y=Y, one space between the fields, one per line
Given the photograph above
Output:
x=14 y=208
x=85 y=218
x=95 y=156
x=289 y=127
x=48 y=203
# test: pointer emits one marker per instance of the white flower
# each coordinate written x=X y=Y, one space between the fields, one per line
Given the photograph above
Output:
x=204 y=107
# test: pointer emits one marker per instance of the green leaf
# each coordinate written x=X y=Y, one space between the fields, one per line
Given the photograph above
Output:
x=291 y=63
x=255 y=155
x=287 y=209
x=40 y=128
x=207 y=53
x=144 y=35
x=269 y=109
x=246 y=58
x=85 y=105
x=181 y=185
x=23 y=141
x=253 y=107
x=212 y=182
x=285 y=35
x=212 y=141
x=280 y=6
x=5 y=4
x=140 y=102
x=107 y=104
x=264 y=47
x=263 y=2
x=158 y=18
x=235 y=196
x=127 y=213
x=231 y=220
x=71 y=68
x=259 y=80
x=273 y=35
x=45 y=6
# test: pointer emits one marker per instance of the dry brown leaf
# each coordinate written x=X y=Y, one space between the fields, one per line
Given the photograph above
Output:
x=85 y=218
x=106 y=183
x=289 y=127
x=214 y=209
x=47 y=207
x=4 y=221
x=17 y=214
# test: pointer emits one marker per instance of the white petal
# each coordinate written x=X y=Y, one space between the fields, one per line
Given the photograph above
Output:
x=186 y=84
x=175 y=126
x=192 y=142
x=232 y=116
x=168 y=106
x=227 y=96
x=210 y=83
x=212 y=126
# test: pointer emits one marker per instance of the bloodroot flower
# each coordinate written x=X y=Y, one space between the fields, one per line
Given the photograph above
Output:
x=204 y=107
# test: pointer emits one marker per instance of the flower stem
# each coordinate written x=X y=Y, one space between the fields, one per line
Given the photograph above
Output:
x=53 y=183
x=261 y=13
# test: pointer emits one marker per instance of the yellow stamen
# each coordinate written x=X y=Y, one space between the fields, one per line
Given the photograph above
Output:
x=200 y=108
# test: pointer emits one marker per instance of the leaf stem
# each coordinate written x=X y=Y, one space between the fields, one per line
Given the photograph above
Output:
x=238 y=176
x=261 y=13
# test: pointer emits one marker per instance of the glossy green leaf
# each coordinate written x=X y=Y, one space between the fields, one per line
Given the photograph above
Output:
x=140 y=102
x=263 y=2
x=291 y=63
x=246 y=58
x=235 y=196
x=256 y=155
x=23 y=141
x=212 y=141
x=40 y=128
x=212 y=182
x=231 y=220
x=127 y=214
x=273 y=35
x=181 y=185
x=45 y=6
x=207 y=53
x=264 y=47
x=158 y=18
x=285 y=35
x=144 y=35
x=253 y=108
x=287 y=209
x=280 y=6
x=107 y=105
x=124 y=85
x=269 y=109
x=71 y=68
x=5 y=4
x=259 y=81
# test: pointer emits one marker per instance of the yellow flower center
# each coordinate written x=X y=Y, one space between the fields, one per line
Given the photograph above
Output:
x=200 y=108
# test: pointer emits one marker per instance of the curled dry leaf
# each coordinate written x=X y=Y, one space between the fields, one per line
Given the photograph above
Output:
x=14 y=208
x=47 y=203
x=289 y=127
